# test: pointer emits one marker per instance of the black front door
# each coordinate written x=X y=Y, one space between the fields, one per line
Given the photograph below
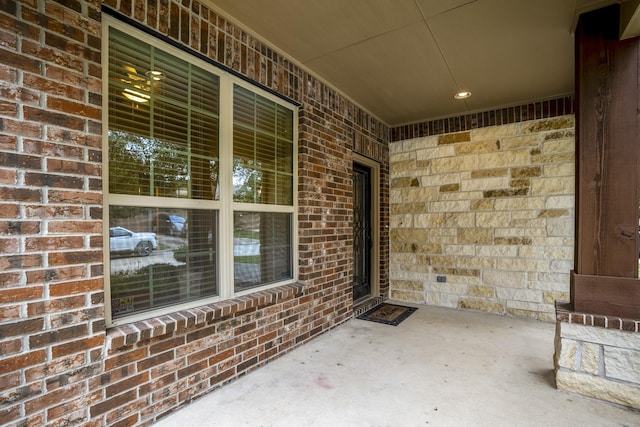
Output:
x=361 y=231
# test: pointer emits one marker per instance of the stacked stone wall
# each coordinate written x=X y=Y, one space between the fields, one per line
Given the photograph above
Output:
x=484 y=219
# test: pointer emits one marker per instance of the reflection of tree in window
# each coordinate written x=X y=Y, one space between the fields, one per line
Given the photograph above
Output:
x=247 y=183
x=145 y=166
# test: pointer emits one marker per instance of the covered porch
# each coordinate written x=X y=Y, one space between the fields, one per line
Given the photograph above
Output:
x=438 y=367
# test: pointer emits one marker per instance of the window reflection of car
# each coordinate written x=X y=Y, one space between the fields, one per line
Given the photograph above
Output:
x=122 y=240
x=171 y=224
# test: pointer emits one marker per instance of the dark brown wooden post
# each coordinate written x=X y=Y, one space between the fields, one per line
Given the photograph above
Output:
x=605 y=280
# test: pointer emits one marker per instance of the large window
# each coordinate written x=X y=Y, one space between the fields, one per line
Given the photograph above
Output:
x=200 y=172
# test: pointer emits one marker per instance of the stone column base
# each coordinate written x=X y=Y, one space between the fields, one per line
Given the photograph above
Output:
x=598 y=356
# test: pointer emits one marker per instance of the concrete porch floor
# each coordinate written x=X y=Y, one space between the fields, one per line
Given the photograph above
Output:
x=439 y=367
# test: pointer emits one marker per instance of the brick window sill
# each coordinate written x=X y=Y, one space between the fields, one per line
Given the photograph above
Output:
x=565 y=313
x=131 y=333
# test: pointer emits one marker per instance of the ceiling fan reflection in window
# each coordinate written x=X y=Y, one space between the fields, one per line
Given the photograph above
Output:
x=141 y=84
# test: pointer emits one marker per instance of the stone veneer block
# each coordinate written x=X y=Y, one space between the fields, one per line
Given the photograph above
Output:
x=601 y=336
x=560 y=227
x=553 y=213
x=568 y=357
x=440 y=179
x=435 y=153
x=474 y=236
x=562 y=169
x=550 y=124
x=482 y=205
x=481 y=305
x=558 y=146
x=412 y=145
x=407 y=208
x=504 y=278
x=590 y=362
x=557 y=185
x=449 y=188
x=477 y=147
x=409 y=235
x=453 y=138
x=496 y=252
x=484 y=184
x=553 y=158
x=599 y=388
x=454 y=164
x=526 y=172
x=559 y=253
x=403 y=165
x=503 y=159
x=402 y=157
x=528 y=141
x=622 y=364
x=496 y=132
x=493 y=219
x=408 y=285
x=404 y=182
x=488 y=173
x=561 y=134
x=551 y=296
x=482 y=291
x=510 y=192
x=419 y=194
x=416 y=297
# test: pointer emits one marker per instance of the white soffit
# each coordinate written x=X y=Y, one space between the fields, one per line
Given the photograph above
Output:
x=403 y=60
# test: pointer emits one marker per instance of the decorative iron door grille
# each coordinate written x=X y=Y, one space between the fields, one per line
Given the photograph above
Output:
x=361 y=231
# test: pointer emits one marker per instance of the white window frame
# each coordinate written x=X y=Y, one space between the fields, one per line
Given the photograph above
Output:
x=225 y=205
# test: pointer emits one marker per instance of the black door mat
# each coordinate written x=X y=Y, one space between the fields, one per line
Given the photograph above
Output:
x=389 y=314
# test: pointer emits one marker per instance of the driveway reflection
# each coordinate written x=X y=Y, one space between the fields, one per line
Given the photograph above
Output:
x=133 y=264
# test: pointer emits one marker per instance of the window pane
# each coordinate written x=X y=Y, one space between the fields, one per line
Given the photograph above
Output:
x=163 y=123
x=261 y=248
x=284 y=127
x=265 y=115
x=285 y=189
x=161 y=257
x=169 y=124
x=262 y=149
x=265 y=153
x=247 y=183
x=268 y=188
x=284 y=156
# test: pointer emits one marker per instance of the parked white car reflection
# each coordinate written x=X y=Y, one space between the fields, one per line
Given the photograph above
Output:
x=125 y=241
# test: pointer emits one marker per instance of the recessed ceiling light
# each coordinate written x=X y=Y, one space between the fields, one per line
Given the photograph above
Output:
x=462 y=95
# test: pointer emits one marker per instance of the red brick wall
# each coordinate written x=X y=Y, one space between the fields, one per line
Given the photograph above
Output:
x=59 y=363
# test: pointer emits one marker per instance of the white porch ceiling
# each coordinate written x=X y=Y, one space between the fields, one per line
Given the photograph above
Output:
x=403 y=60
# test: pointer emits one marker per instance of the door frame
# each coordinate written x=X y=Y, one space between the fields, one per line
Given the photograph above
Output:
x=374 y=167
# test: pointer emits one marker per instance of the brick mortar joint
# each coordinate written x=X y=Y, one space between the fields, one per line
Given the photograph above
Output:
x=566 y=314
x=125 y=335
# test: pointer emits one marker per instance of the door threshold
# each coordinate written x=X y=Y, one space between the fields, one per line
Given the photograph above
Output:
x=365 y=304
